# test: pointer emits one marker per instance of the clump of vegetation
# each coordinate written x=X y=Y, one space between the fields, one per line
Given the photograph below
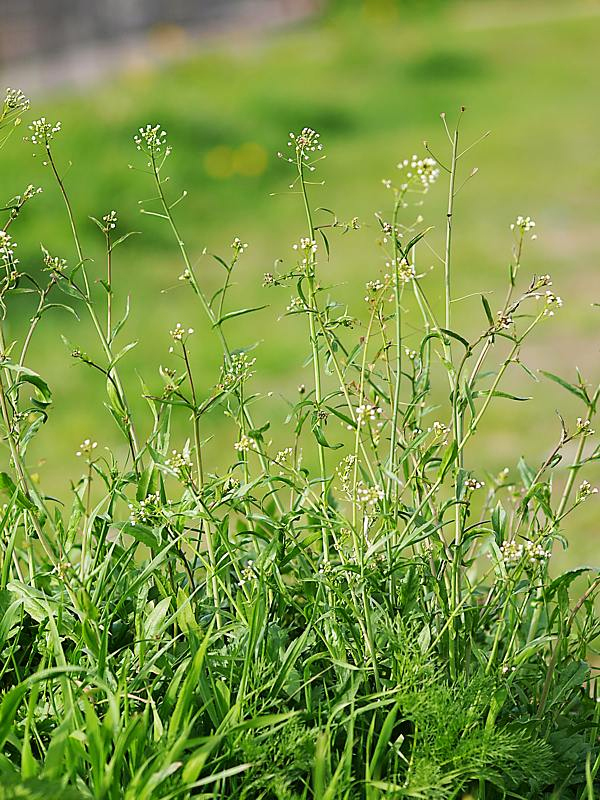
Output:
x=352 y=612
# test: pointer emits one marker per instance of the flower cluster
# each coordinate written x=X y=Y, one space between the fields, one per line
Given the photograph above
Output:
x=19 y=200
x=552 y=301
x=369 y=496
x=368 y=412
x=374 y=288
x=31 y=191
x=410 y=354
x=440 y=431
x=86 y=448
x=238 y=247
x=523 y=225
x=514 y=552
x=404 y=270
x=344 y=471
x=7 y=249
x=296 y=304
x=149 y=511
x=540 y=281
x=248 y=574
x=306 y=142
x=471 y=484
x=282 y=455
x=42 y=132
x=238 y=369
x=389 y=230
x=420 y=170
x=584 y=491
x=110 y=221
x=53 y=263
x=504 y=321
x=179 y=332
x=584 y=427
x=308 y=247
x=180 y=463
x=152 y=140
x=244 y=444
x=15 y=100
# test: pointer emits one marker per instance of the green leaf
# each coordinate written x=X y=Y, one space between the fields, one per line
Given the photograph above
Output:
x=458 y=338
x=448 y=459
x=154 y=620
x=29 y=376
x=240 y=312
x=497 y=393
x=565 y=385
x=321 y=439
x=121 y=353
x=488 y=310
x=8 y=487
x=184 y=707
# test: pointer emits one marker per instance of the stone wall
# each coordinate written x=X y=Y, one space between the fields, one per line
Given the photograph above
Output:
x=37 y=28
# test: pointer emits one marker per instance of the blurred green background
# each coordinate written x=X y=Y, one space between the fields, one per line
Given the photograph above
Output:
x=372 y=77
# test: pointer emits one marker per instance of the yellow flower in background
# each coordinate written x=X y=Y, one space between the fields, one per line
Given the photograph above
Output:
x=249 y=160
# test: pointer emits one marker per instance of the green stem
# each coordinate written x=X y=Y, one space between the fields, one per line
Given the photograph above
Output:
x=310 y=276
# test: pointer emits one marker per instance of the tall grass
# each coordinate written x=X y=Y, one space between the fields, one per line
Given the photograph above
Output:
x=352 y=612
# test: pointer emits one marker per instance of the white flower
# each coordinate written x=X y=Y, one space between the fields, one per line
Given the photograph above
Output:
x=7 y=249
x=244 y=444
x=238 y=369
x=368 y=412
x=283 y=455
x=295 y=304
x=31 y=191
x=179 y=332
x=344 y=471
x=514 y=552
x=180 y=463
x=53 y=263
x=523 y=224
x=369 y=496
x=152 y=140
x=440 y=431
x=584 y=491
x=306 y=142
x=552 y=301
x=148 y=511
x=110 y=221
x=471 y=484
x=584 y=427
x=15 y=100
x=249 y=574
x=42 y=132
x=306 y=244
x=86 y=448
x=423 y=171
x=404 y=270
x=238 y=246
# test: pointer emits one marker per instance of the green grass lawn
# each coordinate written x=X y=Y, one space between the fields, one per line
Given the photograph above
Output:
x=374 y=88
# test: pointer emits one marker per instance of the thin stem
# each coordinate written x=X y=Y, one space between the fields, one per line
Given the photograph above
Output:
x=449 y=219
x=310 y=276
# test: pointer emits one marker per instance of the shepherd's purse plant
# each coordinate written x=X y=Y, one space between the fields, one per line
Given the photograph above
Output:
x=345 y=605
